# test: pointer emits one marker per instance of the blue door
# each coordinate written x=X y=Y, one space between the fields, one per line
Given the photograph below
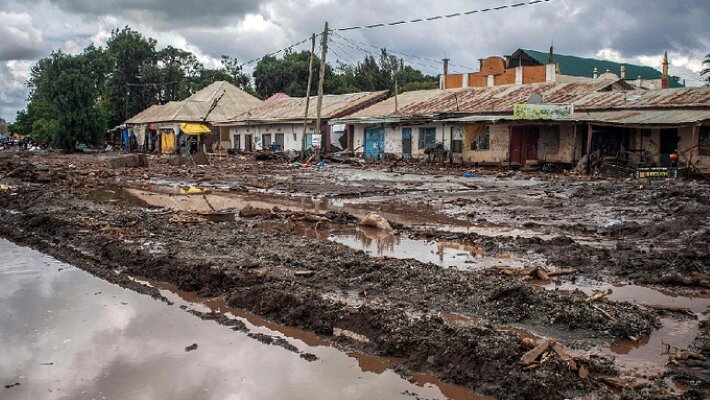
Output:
x=309 y=141
x=374 y=143
x=406 y=143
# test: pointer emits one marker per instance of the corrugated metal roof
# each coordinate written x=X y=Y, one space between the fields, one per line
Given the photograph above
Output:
x=645 y=117
x=495 y=99
x=293 y=108
x=669 y=117
x=660 y=98
x=193 y=109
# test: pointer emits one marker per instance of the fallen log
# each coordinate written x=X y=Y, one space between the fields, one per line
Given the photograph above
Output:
x=598 y=296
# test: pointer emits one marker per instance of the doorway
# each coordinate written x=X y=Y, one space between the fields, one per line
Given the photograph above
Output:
x=374 y=143
x=248 y=143
x=406 y=143
x=668 y=146
x=523 y=143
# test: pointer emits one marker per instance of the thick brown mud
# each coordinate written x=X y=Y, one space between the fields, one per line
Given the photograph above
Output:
x=438 y=295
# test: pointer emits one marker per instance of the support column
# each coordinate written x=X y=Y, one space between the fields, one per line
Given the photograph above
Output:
x=693 y=145
x=589 y=149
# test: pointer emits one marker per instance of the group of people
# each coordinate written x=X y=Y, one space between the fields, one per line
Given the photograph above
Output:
x=24 y=144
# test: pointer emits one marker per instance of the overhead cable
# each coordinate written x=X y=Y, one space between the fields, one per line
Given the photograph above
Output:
x=445 y=16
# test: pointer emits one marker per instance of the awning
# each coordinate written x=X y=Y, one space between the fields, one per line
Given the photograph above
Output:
x=195 y=129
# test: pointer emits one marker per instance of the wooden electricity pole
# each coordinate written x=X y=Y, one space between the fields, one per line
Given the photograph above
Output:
x=308 y=97
x=321 y=78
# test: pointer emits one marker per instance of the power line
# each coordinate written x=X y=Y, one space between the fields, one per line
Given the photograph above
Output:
x=445 y=16
x=278 y=51
x=403 y=54
x=352 y=44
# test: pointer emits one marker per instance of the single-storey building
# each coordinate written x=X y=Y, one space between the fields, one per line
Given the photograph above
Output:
x=159 y=127
x=540 y=123
x=279 y=123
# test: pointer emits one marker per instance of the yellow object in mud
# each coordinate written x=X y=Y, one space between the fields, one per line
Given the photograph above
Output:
x=192 y=190
x=4 y=187
x=195 y=129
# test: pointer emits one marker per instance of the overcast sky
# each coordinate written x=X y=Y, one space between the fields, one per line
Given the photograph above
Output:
x=635 y=31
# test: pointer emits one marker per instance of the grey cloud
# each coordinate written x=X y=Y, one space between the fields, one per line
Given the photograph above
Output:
x=169 y=14
x=21 y=40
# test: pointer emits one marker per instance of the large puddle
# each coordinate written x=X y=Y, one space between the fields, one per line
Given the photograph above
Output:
x=66 y=335
x=649 y=355
x=379 y=243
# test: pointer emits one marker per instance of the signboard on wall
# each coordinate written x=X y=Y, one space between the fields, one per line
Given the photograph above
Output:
x=316 y=141
x=543 y=111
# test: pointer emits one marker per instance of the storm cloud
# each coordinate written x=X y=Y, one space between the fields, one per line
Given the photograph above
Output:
x=635 y=31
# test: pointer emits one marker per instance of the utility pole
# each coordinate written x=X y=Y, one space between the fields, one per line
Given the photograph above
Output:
x=396 y=92
x=308 y=96
x=321 y=78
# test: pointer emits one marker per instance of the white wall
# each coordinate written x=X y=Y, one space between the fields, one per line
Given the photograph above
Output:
x=393 y=137
x=293 y=134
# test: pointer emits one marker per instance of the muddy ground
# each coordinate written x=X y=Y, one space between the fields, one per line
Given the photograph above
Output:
x=514 y=263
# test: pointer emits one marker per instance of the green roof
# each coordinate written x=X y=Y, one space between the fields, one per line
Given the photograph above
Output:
x=580 y=66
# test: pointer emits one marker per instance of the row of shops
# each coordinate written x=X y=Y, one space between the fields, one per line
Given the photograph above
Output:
x=587 y=120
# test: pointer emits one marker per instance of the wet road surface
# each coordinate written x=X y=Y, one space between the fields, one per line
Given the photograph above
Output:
x=68 y=335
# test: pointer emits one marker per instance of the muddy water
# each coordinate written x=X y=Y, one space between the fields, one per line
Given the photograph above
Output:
x=648 y=355
x=66 y=334
x=366 y=362
x=379 y=243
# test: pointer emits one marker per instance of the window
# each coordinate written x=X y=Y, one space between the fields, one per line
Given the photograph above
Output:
x=483 y=141
x=704 y=141
x=427 y=138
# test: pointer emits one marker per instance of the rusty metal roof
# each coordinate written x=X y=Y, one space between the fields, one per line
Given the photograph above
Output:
x=660 y=98
x=646 y=117
x=495 y=99
x=292 y=109
x=232 y=100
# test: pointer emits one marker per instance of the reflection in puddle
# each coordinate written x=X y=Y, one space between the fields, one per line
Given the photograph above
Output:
x=379 y=243
x=638 y=294
x=66 y=334
x=645 y=356
x=367 y=363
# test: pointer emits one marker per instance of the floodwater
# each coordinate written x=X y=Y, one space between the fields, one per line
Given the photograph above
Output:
x=648 y=355
x=66 y=334
x=380 y=243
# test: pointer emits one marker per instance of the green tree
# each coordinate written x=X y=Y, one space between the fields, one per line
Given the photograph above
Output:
x=126 y=93
x=70 y=86
x=289 y=75
x=237 y=76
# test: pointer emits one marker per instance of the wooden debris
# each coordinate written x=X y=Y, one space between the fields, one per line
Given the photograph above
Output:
x=528 y=343
x=304 y=273
x=598 y=296
x=560 y=272
x=606 y=314
x=671 y=308
x=532 y=355
x=259 y=272
x=583 y=372
x=560 y=351
x=540 y=273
